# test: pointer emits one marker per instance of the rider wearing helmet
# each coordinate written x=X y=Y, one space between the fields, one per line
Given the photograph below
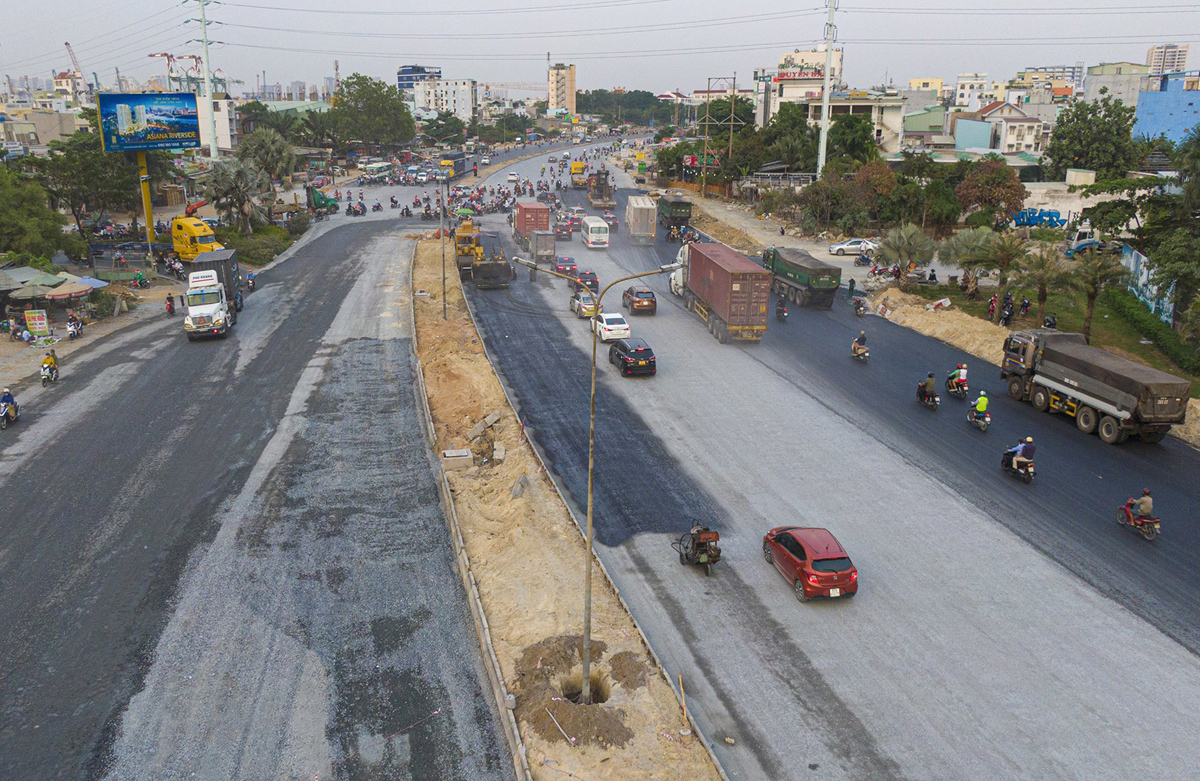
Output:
x=959 y=378
x=10 y=400
x=1023 y=453
x=1144 y=507
x=981 y=405
x=929 y=387
x=859 y=345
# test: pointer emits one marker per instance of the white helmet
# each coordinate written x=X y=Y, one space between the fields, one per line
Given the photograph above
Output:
x=982 y=394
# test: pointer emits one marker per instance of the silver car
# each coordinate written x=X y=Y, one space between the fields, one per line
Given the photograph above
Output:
x=853 y=247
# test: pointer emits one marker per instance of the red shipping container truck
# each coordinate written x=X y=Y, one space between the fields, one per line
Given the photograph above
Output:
x=530 y=216
x=728 y=291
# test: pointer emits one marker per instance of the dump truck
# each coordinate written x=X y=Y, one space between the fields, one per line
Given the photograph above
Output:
x=578 y=175
x=1107 y=395
x=640 y=218
x=319 y=202
x=530 y=217
x=467 y=248
x=727 y=291
x=801 y=278
x=600 y=191
x=674 y=211
x=191 y=236
x=214 y=294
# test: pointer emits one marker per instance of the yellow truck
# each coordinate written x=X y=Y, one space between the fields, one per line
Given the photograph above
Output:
x=190 y=236
x=578 y=175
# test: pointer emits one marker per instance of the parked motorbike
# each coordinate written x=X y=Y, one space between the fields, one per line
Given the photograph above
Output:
x=932 y=400
x=4 y=419
x=958 y=389
x=863 y=260
x=1006 y=316
x=1148 y=527
x=49 y=375
x=981 y=422
x=1050 y=322
x=1025 y=471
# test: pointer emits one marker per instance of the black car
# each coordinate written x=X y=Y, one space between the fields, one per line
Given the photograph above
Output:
x=563 y=231
x=587 y=278
x=632 y=356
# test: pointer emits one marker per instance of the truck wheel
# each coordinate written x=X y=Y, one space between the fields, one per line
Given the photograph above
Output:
x=1085 y=419
x=1152 y=436
x=1110 y=430
x=1041 y=398
x=722 y=333
x=805 y=298
x=1016 y=388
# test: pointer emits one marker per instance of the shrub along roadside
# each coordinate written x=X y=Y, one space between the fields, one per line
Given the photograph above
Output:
x=260 y=247
x=1148 y=325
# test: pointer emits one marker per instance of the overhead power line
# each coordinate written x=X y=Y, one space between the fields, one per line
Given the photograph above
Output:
x=1017 y=13
x=442 y=12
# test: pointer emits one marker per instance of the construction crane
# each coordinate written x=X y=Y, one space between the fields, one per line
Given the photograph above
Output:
x=170 y=58
x=520 y=86
x=75 y=63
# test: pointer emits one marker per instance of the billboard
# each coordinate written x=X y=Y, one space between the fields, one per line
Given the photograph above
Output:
x=136 y=121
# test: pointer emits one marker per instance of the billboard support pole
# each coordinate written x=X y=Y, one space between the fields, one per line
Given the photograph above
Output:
x=144 y=178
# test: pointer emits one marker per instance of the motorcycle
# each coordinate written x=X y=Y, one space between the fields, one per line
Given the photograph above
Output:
x=394 y=204
x=250 y=282
x=49 y=375
x=860 y=307
x=865 y=259
x=931 y=400
x=1025 y=304
x=1006 y=316
x=4 y=420
x=377 y=207
x=1025 y=471
x=170 y=308
x=1148 y=527
x=781 y=314
x=1050 y=322
x=139 y=284
x=981 y=422
x=74 y=329
x=958 y=389
x=861 y=355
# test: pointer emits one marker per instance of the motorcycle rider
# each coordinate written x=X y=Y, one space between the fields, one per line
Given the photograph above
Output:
x=1144 y=507
x=958 y=377
x=73 y=322
x=50 y=362
x=928 y=387
x=1022 y=453
x=10 y=400
x=981 y=406
x=780 y=308
x=859 y=345
x=170 y=304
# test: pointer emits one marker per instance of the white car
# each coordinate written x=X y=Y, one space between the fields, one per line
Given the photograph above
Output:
x=513 y=176
x=610 y=326
x=854 y=247
x=486 y=160
x=422 y=177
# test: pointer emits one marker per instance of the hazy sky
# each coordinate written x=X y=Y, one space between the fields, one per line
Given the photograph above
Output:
x=648 y=44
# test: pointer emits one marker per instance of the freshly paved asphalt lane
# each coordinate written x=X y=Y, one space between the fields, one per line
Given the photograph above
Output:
x=1003 y=630
x=226 y=559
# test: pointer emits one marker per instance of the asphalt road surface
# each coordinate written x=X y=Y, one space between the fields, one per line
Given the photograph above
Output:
x=1001 y=630
x=227 y=559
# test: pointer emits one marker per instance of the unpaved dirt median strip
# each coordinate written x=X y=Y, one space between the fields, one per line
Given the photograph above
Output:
x=522 y=551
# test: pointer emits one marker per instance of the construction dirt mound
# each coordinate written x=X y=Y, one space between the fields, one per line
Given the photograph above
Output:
x=526 y=551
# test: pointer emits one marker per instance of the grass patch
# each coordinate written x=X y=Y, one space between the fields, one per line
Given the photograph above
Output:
x=260 y=247
x=1110 y=330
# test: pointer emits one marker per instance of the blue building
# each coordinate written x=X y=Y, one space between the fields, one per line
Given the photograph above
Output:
x=1170 y=106
x=407 y=76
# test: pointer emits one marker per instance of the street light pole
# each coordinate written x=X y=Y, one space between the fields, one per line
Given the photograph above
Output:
x=585 y=695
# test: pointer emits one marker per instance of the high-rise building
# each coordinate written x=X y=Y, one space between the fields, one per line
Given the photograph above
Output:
x=1061 y=75
x=407 y=76
x=1167 y=58
x=298 y=90
x=328 y=88
x=453 y=96
x=562 y=89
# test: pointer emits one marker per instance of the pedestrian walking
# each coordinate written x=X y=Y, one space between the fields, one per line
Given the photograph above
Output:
x=850 y=285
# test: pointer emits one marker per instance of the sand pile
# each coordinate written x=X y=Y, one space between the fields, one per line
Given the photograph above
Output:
x=970 y=334
x=710 y=223
x=527 y=554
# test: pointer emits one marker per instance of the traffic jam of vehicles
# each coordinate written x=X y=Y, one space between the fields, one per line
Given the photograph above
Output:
x=731 y=295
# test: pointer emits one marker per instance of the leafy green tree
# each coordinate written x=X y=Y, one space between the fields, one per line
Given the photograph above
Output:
x=373 y=112
x=444 y=128
x=717 y=126
x=79 y=176
x=852 y=136
x=1176 y=261
x=1093 y=272
x=991 y=183
x=917 y=165
x=253 y=115
x=318 y=129
x=232 y=187
x=1096 y=135
x=271 y=153
x=797 y=153
x=907 y=247
x=791 y=121
x=286 y=125
x=1003 y=252
x=1189 y=324
x=1044 y=269
x=27 y=223
x=962 y=245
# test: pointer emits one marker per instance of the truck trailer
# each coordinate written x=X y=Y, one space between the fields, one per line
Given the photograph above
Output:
x=640 y=218
x=1107 y=395
x=801 y=278
x=530 y=216
x=726 y=290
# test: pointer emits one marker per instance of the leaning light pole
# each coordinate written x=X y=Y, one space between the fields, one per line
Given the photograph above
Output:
x=585 y=695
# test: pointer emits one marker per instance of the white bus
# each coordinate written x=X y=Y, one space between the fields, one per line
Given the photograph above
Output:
x=377 y=169
x=595 y=232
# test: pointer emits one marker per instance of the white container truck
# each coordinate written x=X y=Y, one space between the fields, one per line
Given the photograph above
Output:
x=214 y=295
x=641 y=215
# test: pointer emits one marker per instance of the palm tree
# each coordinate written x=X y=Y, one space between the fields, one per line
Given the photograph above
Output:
x=961 y=245
x=232 y=187
x=1093 y=272
x=319 y=129
x=271 y=153
x=907 y=247
x=283 y=124
x=1045 y=269
x=1004 y=252
x=797 y=153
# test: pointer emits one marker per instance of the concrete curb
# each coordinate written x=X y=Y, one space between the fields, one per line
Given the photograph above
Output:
x=559 y=488
x=508 y=720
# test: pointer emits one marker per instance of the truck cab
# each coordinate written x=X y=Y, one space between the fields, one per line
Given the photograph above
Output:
x=1084 y=237
x=209 y=312
x=190 y=236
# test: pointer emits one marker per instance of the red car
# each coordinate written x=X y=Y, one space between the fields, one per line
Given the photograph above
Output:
x=565 y=265
x=812 y=560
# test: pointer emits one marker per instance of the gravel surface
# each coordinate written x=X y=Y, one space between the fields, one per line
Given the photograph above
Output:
x=260 y=557
x=1001 y=630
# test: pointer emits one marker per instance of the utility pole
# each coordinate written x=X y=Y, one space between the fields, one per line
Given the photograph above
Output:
x=704 y=158
x=208 y=90
x=732 y=114
x=830 y=37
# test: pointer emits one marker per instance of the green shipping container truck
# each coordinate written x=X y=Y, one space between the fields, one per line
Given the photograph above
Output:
x=801 y=278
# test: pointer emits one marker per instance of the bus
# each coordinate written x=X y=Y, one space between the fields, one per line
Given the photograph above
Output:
x=594 y=231
x=377 y=169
